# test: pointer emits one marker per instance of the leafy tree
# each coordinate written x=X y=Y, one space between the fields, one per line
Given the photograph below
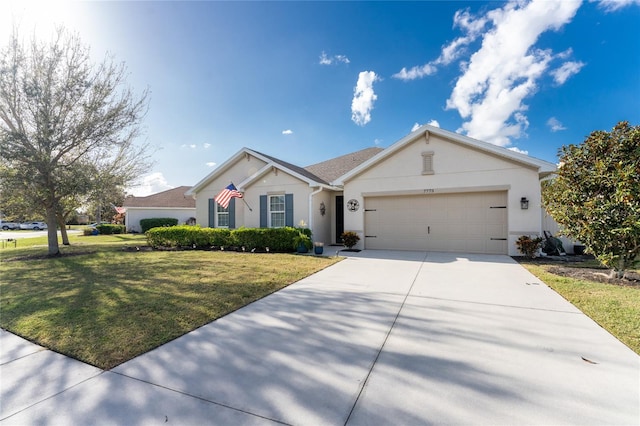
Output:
x=64 y=121
x=596 y=195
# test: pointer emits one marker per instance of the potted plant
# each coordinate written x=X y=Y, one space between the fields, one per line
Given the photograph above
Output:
x=318 y=247
x=302 y=243
x=349 y=239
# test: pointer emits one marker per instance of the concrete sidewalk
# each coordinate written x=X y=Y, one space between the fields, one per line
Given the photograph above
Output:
x=379 y=338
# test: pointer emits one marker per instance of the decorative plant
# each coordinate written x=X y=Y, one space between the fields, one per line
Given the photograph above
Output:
x=302 y=240
x=528 y=246
x=349 y=239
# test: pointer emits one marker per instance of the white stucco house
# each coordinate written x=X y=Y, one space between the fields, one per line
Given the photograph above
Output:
x=171 y=203
x=432 y=190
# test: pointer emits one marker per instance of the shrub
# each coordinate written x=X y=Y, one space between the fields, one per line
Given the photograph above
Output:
x=528 y=246
x=349 y=239
x=146 y=224
x=276 y=239
x=108 y=229
x=188 y=236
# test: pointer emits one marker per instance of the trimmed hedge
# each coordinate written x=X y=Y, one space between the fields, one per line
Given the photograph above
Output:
x=276 y=239
x=146 y=224
x=108 y=229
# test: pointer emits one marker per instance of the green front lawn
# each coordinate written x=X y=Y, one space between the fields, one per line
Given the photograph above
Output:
x=104 y=305
x=616 y=308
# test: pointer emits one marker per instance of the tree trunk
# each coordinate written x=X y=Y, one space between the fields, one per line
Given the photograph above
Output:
x=52 y=232
x=63 y=230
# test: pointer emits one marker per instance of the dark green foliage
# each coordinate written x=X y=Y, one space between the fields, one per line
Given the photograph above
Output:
x=349 y=239
x=108 y=229
x=147 y=224
x=276 y=239
x=596 y=195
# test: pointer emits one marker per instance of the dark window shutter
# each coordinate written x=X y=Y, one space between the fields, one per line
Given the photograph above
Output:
x=212 y=213
x=263 y=211
x=232 y=213
x=288 y=209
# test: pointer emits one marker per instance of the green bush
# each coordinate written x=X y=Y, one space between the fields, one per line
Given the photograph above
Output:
x=188 y=236
x=108 y=229
x=276 y=239
x=146 y=224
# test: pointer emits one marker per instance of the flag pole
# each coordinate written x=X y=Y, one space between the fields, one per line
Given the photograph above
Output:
x=245 y=201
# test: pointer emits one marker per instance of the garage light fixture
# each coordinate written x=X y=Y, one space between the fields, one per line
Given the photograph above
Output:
x=524 y=203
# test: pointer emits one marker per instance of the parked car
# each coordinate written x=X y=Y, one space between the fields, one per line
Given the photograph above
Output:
x=36 y=226
x=9 y=225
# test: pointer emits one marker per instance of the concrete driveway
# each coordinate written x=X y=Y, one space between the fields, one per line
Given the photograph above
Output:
x=380 y=338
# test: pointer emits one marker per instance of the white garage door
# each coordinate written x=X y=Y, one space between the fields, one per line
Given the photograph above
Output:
x=464 y=222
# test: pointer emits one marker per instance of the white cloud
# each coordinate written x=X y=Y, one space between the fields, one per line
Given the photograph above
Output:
x=377 y=141
x=210 y=164
x=150 y=184
x=555 y=124
x=415 y=72
x=469 y=24
x=504 y=71
x=415 y=127
x=363 y=98
x=206 y=145
x=329 y=60
x=521 y=151
x=613 y=5
x=562 y=74
x=192 y=146
x=434 y=123
x=287 y=132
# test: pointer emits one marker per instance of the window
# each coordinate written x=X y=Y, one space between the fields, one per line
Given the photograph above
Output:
x=222 y=216
x=276 y=211
x=427 y=163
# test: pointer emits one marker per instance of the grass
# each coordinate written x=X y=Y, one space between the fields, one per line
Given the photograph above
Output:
x=105 y=305
x=616 y=308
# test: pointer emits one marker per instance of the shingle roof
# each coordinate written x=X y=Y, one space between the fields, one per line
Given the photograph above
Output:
x=171 y=198
x=300 y=170
x=332 y=169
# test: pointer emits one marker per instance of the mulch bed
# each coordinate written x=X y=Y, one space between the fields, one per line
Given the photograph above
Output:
x=568 y=266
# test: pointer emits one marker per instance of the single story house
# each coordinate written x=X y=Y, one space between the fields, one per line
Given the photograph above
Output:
x=171 y=203
x=432 y=190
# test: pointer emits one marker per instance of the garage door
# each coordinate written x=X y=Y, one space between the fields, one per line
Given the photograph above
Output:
x=461 y=222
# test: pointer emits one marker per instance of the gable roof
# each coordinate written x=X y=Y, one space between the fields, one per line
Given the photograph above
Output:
x=171 y=198
x=544 y=167
x=330 y=170
x=319 y=174
x=299 y=170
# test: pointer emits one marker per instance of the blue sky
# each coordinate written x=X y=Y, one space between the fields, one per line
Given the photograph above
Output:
x=308 y=81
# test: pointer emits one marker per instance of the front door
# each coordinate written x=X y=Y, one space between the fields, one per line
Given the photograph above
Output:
x=339 y=218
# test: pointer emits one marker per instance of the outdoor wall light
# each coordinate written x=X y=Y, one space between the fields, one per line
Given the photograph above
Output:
x=524 y=203
x=322 y=208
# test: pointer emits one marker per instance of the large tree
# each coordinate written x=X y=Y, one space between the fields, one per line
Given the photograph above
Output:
x=64 y=120
x=595 y=196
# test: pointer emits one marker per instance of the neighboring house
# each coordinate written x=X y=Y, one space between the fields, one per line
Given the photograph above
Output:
x=432 y=190
x=171 y=203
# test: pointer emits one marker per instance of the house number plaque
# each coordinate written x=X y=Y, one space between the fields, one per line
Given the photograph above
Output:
x=353 y=205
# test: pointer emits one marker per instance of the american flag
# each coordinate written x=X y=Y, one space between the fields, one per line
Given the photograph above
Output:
x=226 y=195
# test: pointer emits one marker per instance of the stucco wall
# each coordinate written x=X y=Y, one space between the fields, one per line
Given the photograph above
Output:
x=238 y=172
x=457 y=168
x=322 y=223
x=271 y=182
x=135 y=214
